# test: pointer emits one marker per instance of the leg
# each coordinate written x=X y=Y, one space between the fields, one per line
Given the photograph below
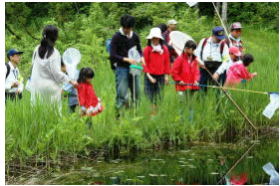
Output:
x=203 y=79
x=121 y=86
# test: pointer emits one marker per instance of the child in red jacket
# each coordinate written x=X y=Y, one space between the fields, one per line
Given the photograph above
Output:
x=157 y=65
x=185 y=69
x=89 y=102
x=238 y=71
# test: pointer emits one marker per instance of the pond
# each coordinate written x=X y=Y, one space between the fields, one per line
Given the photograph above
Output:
x=198 y=163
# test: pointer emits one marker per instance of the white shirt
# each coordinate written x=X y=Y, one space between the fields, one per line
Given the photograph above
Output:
x=12 y=78
x=47 y=78
x=211 y=51
x=225 y=66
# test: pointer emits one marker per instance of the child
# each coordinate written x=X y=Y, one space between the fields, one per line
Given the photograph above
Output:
x=185 y=70
x=156 y=65
x=186 y=73
x=238 y=71
x=71 y=91
x=235 y=55
x=89 y=102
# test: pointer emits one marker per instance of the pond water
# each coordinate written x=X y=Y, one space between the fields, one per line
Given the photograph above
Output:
x=192 y=164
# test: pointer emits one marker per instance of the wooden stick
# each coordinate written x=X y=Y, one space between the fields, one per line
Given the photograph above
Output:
x=237 y=162
x=233 y=102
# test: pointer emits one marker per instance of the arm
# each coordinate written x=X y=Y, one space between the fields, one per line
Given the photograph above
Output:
x=113 y=51
x=197 y=52
x=81 y=96
x=138 y=45
x=225 y=55
x=176 y=70
x=166 y=61
x=92 y=96
x=55 y=70
x=223 y=67
x=245 y=74
x=197 y=73
x=8 y=84
x=147 y=59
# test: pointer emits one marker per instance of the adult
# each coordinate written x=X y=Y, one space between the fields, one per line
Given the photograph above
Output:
x=171 y=26
x=162 y=27
x=47 y=77
x=211 y=56
x=234 y=37
x=13 y=82
x=157 y=66
x=122 y=41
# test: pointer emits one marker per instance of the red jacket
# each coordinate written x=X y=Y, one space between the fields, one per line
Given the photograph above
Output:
x=87 y=95
x=156 y=63
x=184 y=71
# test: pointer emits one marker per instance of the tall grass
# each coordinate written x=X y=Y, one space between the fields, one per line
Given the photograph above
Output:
x=42 y=134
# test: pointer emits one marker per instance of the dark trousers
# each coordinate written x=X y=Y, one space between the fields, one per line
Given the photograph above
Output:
x=12 y=96
x=205 y=77
x=153 y=90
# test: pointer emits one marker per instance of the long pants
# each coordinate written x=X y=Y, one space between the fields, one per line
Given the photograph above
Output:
x=125 y=81
x=205 y=77
x=153 y=90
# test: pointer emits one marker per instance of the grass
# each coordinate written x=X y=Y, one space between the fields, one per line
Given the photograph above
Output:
x=40 y=134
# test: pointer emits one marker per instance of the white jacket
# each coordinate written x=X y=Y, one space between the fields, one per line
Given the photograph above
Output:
x=14 y=76
x=47 y=78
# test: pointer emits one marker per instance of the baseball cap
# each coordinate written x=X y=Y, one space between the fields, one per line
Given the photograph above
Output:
x=235 y=51
x=12 y=52
x=236 y=25
x=219 y=32
x=172 y=22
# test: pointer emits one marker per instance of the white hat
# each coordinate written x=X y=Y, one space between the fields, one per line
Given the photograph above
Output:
x=155 y=32
x=172 y=22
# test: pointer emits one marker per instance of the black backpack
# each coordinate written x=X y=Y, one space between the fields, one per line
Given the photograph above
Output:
x=8 y=69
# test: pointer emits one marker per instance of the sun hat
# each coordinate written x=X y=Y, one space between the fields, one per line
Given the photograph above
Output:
x=155 y=33
x=172 y=22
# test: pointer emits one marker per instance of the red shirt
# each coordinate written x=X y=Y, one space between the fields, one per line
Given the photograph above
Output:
x=156 y=63
x=185 y=71
x=86 y=95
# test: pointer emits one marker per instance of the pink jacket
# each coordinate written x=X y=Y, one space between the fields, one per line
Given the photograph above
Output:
x=236 y=73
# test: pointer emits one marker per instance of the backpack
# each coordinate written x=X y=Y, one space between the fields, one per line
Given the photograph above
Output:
x=108 y=45
x=8 y=69
x=221 y=47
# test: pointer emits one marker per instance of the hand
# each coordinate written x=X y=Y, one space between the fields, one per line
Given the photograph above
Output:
x=202 y=66
x=17 y=92
x=15 y=84
x=196 y=83
x=131 y=61
x=166 y=79
x=216 y=76
x=74 y=83
x=143 y=61
x=182 y=83
x=152 y=80
x=254 y=74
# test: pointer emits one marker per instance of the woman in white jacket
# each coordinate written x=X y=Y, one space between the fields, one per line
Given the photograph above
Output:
x=47 y=77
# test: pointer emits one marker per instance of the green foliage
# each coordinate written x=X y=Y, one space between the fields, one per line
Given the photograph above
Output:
x=39 y=131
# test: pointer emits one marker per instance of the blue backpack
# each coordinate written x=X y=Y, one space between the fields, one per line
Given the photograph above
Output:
x=108 y=45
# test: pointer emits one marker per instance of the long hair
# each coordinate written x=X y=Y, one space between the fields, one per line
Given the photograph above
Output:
x=50 y=35
x=84 y=74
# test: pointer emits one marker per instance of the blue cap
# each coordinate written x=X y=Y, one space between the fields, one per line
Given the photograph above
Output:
x=219 y=32
x=13 y=52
